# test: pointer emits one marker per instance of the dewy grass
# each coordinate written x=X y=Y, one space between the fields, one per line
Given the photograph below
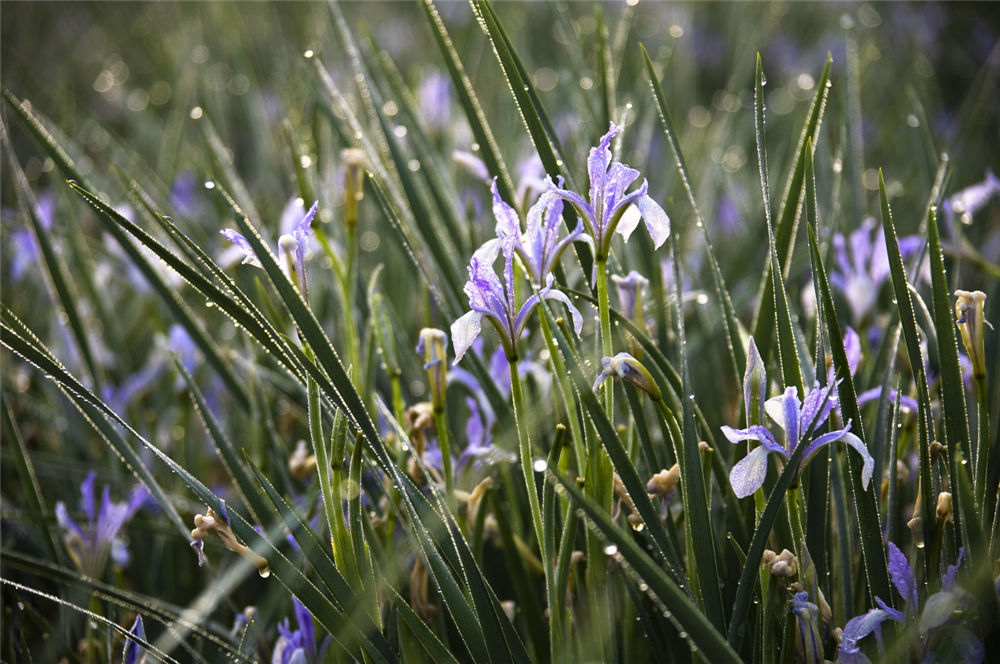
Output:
x=487 y=498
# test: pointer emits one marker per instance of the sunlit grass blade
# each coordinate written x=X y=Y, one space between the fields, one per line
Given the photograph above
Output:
x=908 y=322
x=865 y=504
x=733 y=338
x=155 y=607
x=788 y=215
x=670 y=597
x=788 y=354
x=481 y=130
x=17 y=337
x=696 y=493
x=55 y=269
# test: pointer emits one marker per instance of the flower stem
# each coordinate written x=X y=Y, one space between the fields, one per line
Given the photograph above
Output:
x=524 y=448
x=444 y=442
x=983 y=448
x=603 y=309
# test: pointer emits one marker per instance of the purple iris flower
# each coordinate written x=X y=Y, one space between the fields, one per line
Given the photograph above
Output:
x=133 y=650
x=494 y=300
x=610 y=208
x=940 y=637
x=862 y=265
x=90 y=544
x=434 y=97
x=796 y=419
x=299 y=646
x=539 y=247
x=852 y=347
x=295 y=227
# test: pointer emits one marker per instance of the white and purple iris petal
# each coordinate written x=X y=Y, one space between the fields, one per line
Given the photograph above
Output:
x=611 y=209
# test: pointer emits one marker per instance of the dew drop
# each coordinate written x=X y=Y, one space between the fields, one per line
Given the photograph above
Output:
x=209 y=184
x=540 y=465
x=610 y=549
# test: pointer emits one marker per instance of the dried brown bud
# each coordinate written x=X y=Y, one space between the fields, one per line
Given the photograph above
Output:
x=664 y=481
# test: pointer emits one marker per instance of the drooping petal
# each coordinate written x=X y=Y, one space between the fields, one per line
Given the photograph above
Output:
x=583 y=208
x=559 y=296
x=628 y=222
x=464 y=331
x=656 y=219
x=858 y=628
x=845 y=435
x=748 y=474
x=906 y=404
x=902 y=576
x=66 y=522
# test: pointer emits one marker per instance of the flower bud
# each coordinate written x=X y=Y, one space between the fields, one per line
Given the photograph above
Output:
x=945 y=510
x=433 y=346
x=301 y=464
x=969 y=317
x=627 y=368
x=754 y=385
x=354 y=180
x=663 y=482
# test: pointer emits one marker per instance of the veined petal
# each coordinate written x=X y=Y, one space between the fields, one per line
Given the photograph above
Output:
x=657 y=221
x=902 y=576
x=756 y=432
x=597 y=166
x=464 y=331
x=508 y=221
x=845 y=435
x=748 y=474
x=618 y=180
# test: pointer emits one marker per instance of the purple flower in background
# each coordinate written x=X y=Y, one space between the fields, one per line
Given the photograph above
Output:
x=434 y=97
x=299 y=646
x=539 y=247
x=90 y=544
x=610 y=209
x=494 y=300
x=852 y=347
x=862 y=265
x=796 y=419
x=184 y=193
x=133 y=650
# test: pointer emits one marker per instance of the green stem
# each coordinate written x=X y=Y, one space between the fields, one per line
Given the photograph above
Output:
x=983 y=448
x=524 y=447
x=444 y=442
x=606 y=347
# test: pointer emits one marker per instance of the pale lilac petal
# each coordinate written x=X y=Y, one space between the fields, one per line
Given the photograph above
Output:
x=906 y=404
x=508 y=221
x=597 y=165
x=657 y=221
x=756 y=432
x=902 y=576
x=748 y=474
x=573 y=311
x=66 y=522
x=948 y=578
x=862 y=449
x=790 y=410
x=583 y=208
x=629 y=222
x=464 y=331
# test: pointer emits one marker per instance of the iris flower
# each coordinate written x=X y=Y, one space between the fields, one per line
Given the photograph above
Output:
x=797 y=419
x=295 y=228
x=90 y=544
x=133 y=651
x=539 y=246
x=299 y=646
x=493 y=299
x=942 y=634
x=610 y=209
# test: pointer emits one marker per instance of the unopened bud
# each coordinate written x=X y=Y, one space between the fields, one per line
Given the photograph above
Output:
x=945 y=510
x=625 y=367
x=969 y=308
x=301 y=464
x=354 y=180
x=433 y=345
x=664 y=481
